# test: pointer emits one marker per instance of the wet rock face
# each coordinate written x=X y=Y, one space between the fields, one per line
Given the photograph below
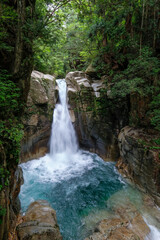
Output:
x=9 y=201
x=97 y=117
x=40 y=223
x=38 y=115
x=15 y=205
x=139 y=162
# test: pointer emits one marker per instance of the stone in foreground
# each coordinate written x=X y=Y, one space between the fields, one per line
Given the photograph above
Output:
x=128 y=224
x=40 y=223
x=113 y=229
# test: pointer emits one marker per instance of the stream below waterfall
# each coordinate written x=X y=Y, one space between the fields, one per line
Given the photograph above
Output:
x=79 y=185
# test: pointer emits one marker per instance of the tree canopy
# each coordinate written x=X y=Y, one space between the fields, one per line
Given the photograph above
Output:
x=120 y=39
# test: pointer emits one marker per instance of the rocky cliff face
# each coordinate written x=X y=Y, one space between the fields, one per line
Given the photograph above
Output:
x=96 y=116
x=9 y=201
x=38 y=115
x=140 y=160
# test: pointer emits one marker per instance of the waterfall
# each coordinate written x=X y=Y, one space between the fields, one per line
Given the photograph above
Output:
x=77 y=184
x=63 y=137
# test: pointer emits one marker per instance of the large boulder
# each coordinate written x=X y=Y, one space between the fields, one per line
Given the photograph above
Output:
x=38 y=115
x=40 y=223
x=140 y=160
x=91 y=71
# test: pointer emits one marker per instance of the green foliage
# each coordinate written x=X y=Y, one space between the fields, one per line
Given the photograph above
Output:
x=155 y=106
x=49 y=55
x=10 y=129
x=120 y=39
x=9 y=94
x=8 y=17
x=92 y=31
x=4 y=177
x=138 y=77
x=11 y=133
x=157 y=141
x=61 y=49
x=152 y=145
x=2 y=213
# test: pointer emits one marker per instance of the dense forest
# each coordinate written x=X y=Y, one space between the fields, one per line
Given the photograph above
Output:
x=119 y=40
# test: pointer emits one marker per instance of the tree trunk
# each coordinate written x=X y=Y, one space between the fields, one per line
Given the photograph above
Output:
x=154 y=29
x=142 y=23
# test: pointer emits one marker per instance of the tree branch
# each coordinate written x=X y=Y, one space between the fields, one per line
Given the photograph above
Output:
x=54 y=10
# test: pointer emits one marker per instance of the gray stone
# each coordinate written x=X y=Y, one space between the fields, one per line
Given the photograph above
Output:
x=91 y=71
x=38 y=92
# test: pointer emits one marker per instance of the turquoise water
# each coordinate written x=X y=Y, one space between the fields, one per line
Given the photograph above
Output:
x=74 y=187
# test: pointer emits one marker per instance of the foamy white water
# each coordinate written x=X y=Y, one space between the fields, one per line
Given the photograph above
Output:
x=154 y=232
x=63 y=137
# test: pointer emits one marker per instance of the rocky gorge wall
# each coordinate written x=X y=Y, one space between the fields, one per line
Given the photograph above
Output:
x=140 y=160
x=96 y=116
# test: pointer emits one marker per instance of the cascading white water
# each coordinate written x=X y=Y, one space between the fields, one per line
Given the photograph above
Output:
x=63 y=137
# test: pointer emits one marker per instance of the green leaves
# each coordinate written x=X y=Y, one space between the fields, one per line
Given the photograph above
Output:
x=138 y=76
x=9 y=94
x=4 y=177
x=8 y=18
x=11 y=133
x=2 y=213
x=10 y=130
x=155 y=106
